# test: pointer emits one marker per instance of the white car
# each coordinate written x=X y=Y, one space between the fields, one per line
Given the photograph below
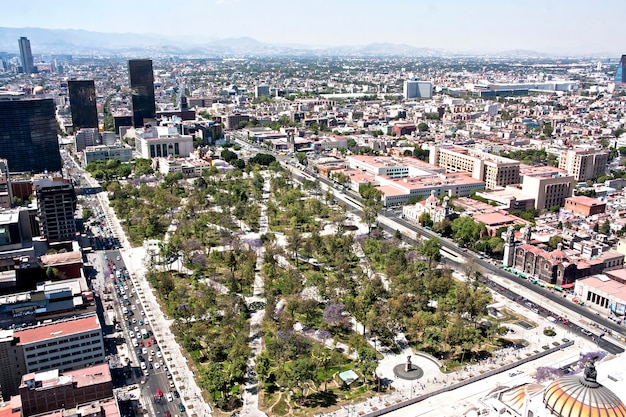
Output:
x=144 y=351
x=131 y=334
x=159 y=355
x=156 y=365
x=136 y=329
x=169 y=397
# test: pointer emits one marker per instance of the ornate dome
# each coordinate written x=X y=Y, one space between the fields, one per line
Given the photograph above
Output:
x=576 y=396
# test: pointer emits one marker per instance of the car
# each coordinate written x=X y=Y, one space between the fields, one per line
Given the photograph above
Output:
x=159 y=393
x=516 y=373
x=169 y=397
x=152 y=353
x=181 y=407
x=144 y=351
x=136 y=329
x=156 y=365
x=131 y=334
x=167 y=413
x=148 y=344
x=165 y=368
x=118 y=258
x=585 y=332
x=176 y=394
x=169 y=375
x=140 y=322
x=159 y=354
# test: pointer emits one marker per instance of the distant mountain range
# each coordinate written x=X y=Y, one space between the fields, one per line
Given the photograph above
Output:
x=82 y=42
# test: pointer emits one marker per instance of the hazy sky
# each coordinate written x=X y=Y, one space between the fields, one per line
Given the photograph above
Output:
x=458 y=25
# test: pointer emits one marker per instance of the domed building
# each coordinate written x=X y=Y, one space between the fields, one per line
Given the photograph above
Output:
x=567 y=396
x=582 y=396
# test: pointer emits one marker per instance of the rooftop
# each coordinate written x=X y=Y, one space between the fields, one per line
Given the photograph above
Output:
x=59 y=329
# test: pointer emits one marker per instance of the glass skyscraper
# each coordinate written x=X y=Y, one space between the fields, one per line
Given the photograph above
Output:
x=28 y=137
x=28 y=65
x=83 y=104
x=142 y=90
x=620 y=74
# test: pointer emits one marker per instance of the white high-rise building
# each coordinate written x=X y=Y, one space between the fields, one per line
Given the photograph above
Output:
x=414 y=88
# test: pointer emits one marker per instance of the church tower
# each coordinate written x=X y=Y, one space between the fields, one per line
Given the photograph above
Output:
x=509 y=246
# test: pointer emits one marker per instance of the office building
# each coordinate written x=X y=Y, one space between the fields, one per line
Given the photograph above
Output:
x=53 y=390
x=414 y=88
x=56 y=204
x=106 y=153
x=620 y=74
x=584 y=164
x=495 y=171
x=26 y=56
x=262 y=90
x=82 y=95
x=142 y=91
x=28 y=138
x=86 y=137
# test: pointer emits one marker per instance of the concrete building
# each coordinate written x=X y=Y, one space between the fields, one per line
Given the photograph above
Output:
x=604 y=292
x=16 y=244
x=548 y=191
x=414 y=88
x=43 y=392
x=162 y=141
x=63 y=345
x=584 y=164
x=188 y=167
x=495 y=171
x=56 y=205
x=6 y=195
x=585 y=206
x=86 y=137
x=106 y=153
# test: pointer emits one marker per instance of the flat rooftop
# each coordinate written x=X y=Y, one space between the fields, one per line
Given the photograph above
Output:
x=55 y=330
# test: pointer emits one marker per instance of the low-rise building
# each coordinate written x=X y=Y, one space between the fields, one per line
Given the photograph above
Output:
x=42 y=392
x=107 y=153
x=585 y=206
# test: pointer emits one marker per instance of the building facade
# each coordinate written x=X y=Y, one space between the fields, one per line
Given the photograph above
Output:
x=106 y=153
x=162 y=141
x=620 y=73
x=82 y=95
x=414 y=88
x=585 y=206
x=28 y=138
x=6 y=196
x=26 y=56
x=56 y=204
x=495 y=171
x=584 y=164
x=65 y=345
x=86 y=137
x=50 y=391
x=548 y=191
x=142 y=91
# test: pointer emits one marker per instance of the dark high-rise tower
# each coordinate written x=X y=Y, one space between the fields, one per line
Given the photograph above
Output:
x=28 y=137
x=142 y=90
x=83 y=104
x=620 y=74
x=28 y=66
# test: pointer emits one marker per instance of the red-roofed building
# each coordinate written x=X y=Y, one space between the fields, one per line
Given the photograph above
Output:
x=63 y=345
x=47 y=391
x=585 y=206
x=11 y=408
x=603 y=292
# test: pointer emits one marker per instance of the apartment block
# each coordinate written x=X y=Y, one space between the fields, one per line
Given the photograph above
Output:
x=56 y=204
x=584 y=164
x=495 y=171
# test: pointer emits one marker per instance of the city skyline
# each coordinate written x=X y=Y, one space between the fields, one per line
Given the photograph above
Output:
x=454 y=25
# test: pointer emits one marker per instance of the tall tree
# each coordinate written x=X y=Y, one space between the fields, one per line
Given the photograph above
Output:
x=371 y=204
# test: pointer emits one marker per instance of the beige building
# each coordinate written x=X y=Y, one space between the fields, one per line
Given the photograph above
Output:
x=495 y=171
x=584 y=164
x=548 y=191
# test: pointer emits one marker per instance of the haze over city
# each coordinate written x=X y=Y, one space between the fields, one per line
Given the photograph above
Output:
x=576 y=27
